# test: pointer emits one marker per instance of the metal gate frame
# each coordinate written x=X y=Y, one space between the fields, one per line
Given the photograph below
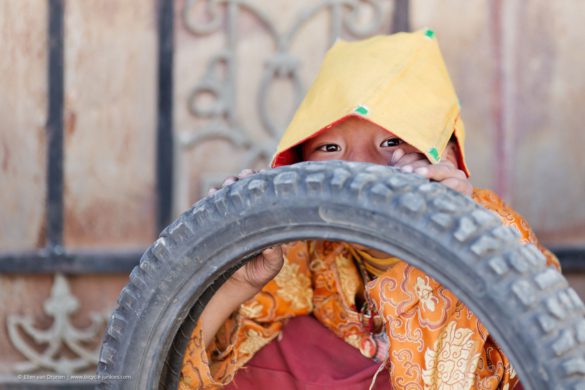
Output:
x=54 y=257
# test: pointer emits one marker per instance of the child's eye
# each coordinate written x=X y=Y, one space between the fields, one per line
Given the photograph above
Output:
x=391 y=142
x=329 y=148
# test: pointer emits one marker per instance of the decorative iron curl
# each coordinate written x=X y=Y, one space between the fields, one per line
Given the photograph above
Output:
x=350 y=21
x=215 y=12
x=62 y=334
x=281 y=65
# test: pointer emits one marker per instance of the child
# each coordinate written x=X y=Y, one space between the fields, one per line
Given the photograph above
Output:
x=318 y=314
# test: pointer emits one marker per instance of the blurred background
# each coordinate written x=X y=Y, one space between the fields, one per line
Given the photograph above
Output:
x=116 y=115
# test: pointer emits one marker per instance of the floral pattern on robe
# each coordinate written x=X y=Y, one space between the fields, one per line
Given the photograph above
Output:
x=431 y=339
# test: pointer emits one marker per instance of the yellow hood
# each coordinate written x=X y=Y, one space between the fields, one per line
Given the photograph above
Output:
x=398 y=82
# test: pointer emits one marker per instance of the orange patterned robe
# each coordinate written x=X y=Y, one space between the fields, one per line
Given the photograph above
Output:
x=428 y=337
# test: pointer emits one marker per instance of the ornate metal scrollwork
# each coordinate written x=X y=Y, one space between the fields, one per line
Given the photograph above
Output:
x=62 y=335
x=219 y=80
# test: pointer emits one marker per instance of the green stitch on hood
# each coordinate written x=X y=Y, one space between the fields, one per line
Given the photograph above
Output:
x=434 y=153
x=362 y=110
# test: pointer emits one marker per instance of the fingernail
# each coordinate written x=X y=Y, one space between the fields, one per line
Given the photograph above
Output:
x=406 y=168
x=421 y=171
x=396 y=156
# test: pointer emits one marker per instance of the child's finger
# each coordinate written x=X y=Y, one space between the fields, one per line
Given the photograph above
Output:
x=442 y=171
x=245 y=173
x=459 y=185
x=409 y=159
x=273 y=258
x=396 y=155
x=272 y=252
x=229 y=180
x=415 y=165
x=232 y=179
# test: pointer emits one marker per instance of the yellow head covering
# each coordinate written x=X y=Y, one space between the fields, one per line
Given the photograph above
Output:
x=398 y=82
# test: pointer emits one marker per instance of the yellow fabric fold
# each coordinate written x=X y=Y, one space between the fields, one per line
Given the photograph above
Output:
x=374 y=265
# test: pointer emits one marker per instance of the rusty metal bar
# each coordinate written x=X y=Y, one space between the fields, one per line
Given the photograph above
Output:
x=79 y=263
x=121 y=262
x=572 y=258
x=164 y=151
x=54 y=129
x=401 y=17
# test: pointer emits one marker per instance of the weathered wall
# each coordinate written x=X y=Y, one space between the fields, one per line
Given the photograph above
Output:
x=23 y=100
x=548 y=182
x=517 y=69
x=110 y=113
x=109 y=148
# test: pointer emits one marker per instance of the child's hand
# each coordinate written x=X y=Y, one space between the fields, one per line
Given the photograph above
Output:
x=242 y=286
x=264 y=267
x=232 y=179
x=260 y=270
x=445 y=172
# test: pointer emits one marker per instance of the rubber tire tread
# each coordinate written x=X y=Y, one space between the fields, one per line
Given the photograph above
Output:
x=529 y=308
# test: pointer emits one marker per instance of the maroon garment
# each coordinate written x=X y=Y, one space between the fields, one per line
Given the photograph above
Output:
x=309 y=356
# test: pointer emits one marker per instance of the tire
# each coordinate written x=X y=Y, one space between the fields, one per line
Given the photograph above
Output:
x=529 y=309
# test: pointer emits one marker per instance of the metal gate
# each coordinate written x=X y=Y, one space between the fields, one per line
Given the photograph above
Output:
x=51 y=348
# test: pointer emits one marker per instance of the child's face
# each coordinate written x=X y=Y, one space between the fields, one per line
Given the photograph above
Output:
x=355 y=139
